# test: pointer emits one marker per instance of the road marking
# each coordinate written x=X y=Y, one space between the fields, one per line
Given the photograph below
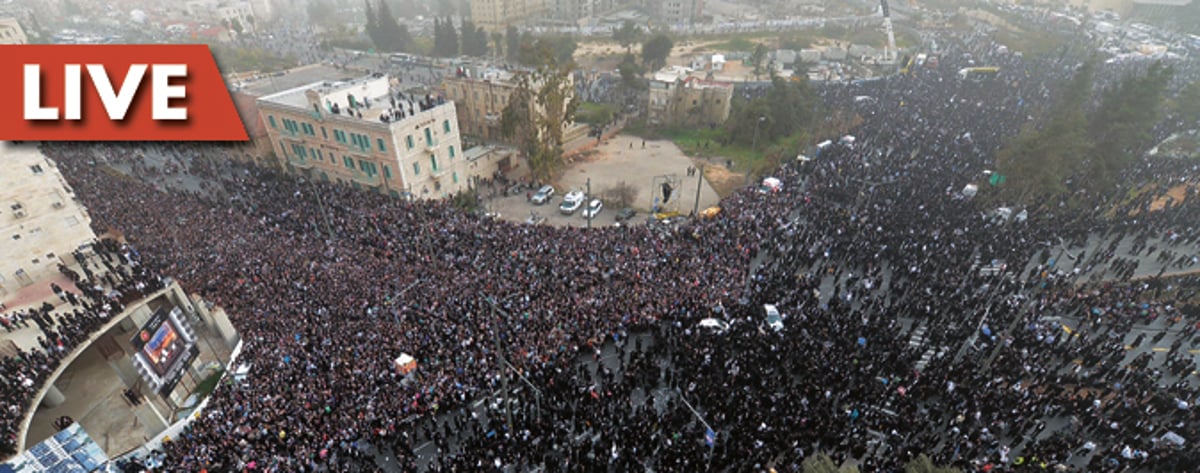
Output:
x=1160 y=349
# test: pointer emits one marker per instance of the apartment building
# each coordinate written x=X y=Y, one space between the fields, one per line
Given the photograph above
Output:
x=362 y=133
x=41 y=224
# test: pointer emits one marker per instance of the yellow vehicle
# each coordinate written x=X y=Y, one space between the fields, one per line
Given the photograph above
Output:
x=710 y=212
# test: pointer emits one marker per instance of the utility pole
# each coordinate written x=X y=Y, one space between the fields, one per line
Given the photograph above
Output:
x=503 y=371
x=708 y=428
x=699 y=184
x=754 y=145
x=587 y=202
x=321 y=206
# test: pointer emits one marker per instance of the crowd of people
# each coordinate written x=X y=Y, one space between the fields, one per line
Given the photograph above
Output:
x=864 y=246
x=111 y=278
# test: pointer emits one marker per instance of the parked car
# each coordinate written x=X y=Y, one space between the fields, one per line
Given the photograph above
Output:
x=543 y=195
x=571 y=202
x=593 y=208
x=625 y=214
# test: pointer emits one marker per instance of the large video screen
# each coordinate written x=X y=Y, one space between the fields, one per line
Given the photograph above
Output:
x=163 y=350
x=163 y=347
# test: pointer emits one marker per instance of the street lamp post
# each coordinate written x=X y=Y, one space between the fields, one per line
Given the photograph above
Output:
x=754 y=146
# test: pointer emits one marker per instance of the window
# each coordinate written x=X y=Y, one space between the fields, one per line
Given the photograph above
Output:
x=454 y=177
x=368 y=167
x=409 y=141
x=428 y=136
x=271 y=120
x=387 y=172
x=446 y=126
x=433 y=163
x=37 y=169
x=451 y=152
x=382 y=148
x=349 y=162
x=437 y=185
x=324 y=134
x=339 y=136
x=416 y=169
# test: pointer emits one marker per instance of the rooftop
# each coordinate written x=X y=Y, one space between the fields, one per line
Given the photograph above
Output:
x=266 y=84
x=672 y=74
x=369 y=98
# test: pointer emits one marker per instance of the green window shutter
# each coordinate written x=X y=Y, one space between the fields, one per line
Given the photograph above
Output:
x=379 y=141
x=271 y=120
x=416 y=169
x=451 y=152
x=387 y=172
x=446 y=126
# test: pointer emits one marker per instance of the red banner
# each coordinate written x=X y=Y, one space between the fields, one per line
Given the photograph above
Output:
x=114 y=93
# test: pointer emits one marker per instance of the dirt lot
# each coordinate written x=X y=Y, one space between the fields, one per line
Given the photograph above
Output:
x=621 y=158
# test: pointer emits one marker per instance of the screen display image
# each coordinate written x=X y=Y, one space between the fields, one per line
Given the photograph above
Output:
x=163 y=347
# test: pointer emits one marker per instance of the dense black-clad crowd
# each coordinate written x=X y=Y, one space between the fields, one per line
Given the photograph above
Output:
x=323 y=316
x=112 y=277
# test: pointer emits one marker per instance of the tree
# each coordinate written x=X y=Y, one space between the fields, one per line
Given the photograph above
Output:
x=1187 y=104
x=446 y=44
x=512 y=43
x=922 y=464
x=788 y=108
x=759 y=59
x=1037 y=162
x=497 y=44
x=533 y=52
x=620 y=195
x=627 y=35
x=373 y=31
x=631 y=73
x=323 y=13
x=1122 y=126
x=474 y=40
x=656 y=51
x=537 y=112
x=384 y=30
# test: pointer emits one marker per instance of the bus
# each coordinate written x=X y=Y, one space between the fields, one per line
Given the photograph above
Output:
x=978 y=73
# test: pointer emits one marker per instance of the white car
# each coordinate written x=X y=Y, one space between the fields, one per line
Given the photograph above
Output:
x=716 y=325
x=593 y=208
x=543 y=195
x=571 y=202
x=774 y=320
